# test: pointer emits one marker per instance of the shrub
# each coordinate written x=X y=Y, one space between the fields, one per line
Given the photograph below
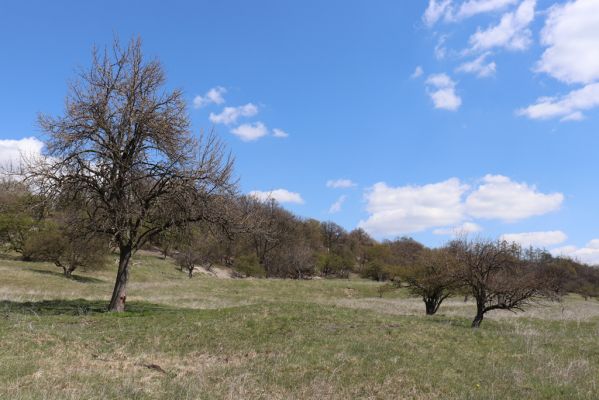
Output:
x=334 y=265
x=67 y=249
x=248 y=265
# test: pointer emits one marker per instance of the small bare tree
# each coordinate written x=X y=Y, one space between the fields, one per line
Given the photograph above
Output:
x=197 y=248
x=431 y=276
x=125 y=151
x=498 y=275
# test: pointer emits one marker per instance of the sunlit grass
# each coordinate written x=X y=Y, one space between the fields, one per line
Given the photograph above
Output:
x=211 y=338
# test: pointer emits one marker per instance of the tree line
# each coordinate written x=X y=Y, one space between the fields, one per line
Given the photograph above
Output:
x=263 y=240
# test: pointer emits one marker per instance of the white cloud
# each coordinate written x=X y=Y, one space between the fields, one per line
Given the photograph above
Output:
x=213 y=96
x=230 y=115
x=450 y=206
x=511 y=33
x=568 y=107
x=498 y=197
x=417 y=72
x=441 y=89
x=588 y=254
x=444 y=9
x=479 y=66
x=13 y=152
x=336 y=206
x=440 y=49
x=536 y=239
x=571 y=34
x=464 y=228
x=250 y=132
x=405 y=209
x=340 y=183
x=276 y=132
x=436 y=10
x=280 y=195
x=473 y=7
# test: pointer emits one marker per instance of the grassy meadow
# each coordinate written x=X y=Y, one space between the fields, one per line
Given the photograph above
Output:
x=216 y=338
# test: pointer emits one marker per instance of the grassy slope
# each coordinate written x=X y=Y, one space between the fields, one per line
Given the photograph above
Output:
x=219 y=338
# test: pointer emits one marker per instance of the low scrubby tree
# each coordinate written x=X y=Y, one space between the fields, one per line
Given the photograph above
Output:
x=498 y=274
x=432 y=276
x=198 y=247
x=67 y=247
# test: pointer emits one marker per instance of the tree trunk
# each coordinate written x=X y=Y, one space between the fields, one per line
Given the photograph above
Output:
x=190 y=272
x=119 y=294
x=432 y=305
x=68 y=271
x=480 y=313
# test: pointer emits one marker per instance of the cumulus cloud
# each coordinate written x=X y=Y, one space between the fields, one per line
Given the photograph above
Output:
x=511 y=33
x=568 y=107
x=588 y=254
x=406 y=209
x=498 y=197
x=571 y=34
x=464 y=228
x=279 y=133
x=12 y=152
x=230 y=115
x=250 y=132
x=451 y=205
x=336 y=206
x=536 y=239
x=340 y=183
x=280 y=195
x=479 y=66
x=441 y=89
x=212 y=96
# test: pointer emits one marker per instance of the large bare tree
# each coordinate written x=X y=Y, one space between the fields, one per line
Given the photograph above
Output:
x=125 y=151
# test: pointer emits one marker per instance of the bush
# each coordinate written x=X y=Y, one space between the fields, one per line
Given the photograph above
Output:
x=249 y=265
x=47 y=244
x=379 y=271
x=334 y=265
x=69 y=250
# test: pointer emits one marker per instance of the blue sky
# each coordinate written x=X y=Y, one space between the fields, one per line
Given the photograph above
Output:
x=441 y=116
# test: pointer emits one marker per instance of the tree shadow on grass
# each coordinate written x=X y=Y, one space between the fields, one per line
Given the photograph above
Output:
x=76 y=278
x=78 y=307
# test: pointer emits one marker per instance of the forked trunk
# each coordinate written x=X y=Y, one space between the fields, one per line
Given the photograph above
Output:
x=68 y=271
x=119 y=294
x=432 y=304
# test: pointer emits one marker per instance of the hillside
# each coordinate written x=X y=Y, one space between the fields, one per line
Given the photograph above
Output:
x=209 y=337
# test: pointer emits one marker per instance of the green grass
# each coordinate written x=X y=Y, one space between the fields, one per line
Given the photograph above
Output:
x=211 y=338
